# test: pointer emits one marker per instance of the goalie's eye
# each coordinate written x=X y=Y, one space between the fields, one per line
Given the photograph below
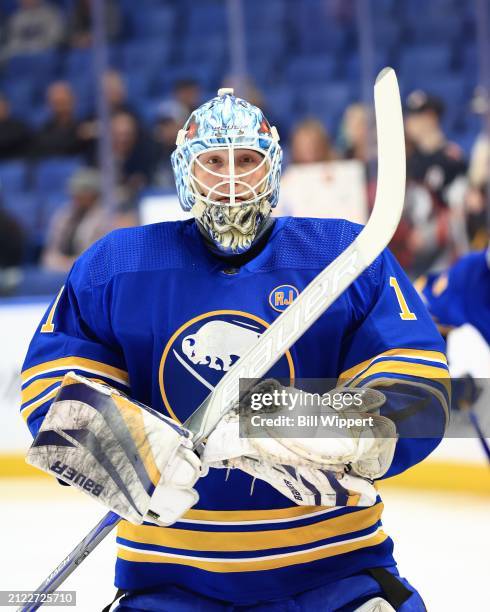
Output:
x=249 y=158
x=212 y=161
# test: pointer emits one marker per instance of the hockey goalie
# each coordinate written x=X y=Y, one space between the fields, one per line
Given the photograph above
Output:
x=154 y=317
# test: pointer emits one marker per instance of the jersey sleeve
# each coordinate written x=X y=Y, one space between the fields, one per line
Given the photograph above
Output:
x=396 y=347
x=74 y=334
x=444 y=294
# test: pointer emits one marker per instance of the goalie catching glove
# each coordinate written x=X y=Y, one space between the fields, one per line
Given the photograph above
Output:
x=135 y=461
x=333 y=467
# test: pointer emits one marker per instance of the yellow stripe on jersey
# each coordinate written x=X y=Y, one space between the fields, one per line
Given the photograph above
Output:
x=76 y=363
x=37 y=390
x=403 y=367
x=26 y=412
x=251 y=540
x=257 y=563
x=132 y=415
x=37 y=387
x=434 y=356
x=246 y=516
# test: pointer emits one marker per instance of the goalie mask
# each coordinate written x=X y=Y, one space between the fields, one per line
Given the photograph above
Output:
x=227 y=167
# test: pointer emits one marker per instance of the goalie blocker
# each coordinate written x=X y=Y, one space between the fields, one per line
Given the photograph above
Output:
x=125 y=455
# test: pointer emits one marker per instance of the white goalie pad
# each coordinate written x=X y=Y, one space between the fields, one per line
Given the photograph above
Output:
x=123 y=454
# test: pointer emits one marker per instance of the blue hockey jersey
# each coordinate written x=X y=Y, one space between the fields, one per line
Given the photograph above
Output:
x=461 y=294
x=151 y=311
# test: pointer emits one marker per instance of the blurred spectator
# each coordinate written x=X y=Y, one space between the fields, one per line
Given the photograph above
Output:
x=80 y=22
x=116 y=97
x=74 y=228
x=132 y=154
x=59 y=135
x=170 y=118
x=310 y=143
x=15 y=136
x=116 y=93
x=316 y=183
x=354 y=137
x=432 y=229
x=35 y=26
x=476 y=201
x=187 y=92
x=12 y=241
x=432 y=159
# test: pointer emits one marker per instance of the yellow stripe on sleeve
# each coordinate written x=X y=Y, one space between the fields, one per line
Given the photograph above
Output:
x=404 y=367
x=37 y=387
x=76 y=363
x=26 y=412
x=400 y=352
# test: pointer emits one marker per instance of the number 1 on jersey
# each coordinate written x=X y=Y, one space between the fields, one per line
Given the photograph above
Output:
x=405 y=314
x=48 y=327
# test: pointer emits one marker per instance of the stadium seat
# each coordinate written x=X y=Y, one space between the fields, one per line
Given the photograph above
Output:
x=280 y=107
x=327 y=102
x=432 y=60
x=144 y=54
x=205 y=17
x=207 y=75
x=52 y=175
x=13 y=175
x=155 y=21
x=21 y=95
x=85 y=92
x=81 y=61
x=265 y=45
x=351 y=69
x=268 y=15
x=333 y=94
x=388 y=33
x=138 y=86
x=41 y=67
x=310 y=69
x=25 y=207
x=210 y=48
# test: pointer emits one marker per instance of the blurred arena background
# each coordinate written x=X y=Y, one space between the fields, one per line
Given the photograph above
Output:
x=92 y=94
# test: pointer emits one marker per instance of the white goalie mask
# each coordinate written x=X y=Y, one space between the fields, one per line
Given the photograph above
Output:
x=227 y=167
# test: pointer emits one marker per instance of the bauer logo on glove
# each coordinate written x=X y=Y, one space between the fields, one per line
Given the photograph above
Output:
x=135 y=461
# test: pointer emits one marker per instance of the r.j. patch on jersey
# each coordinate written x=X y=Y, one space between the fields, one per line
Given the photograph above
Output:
x=202 y=350
x=282 y=296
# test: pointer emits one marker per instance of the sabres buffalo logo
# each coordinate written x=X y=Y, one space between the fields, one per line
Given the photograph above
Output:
x=202 y=351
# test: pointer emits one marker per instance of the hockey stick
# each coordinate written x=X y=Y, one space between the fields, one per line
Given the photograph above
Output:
x=305 y=309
